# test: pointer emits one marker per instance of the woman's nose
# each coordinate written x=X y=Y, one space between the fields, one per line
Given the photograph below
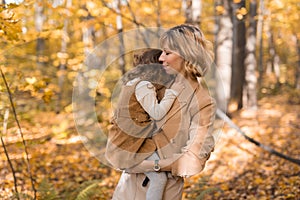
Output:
x=161 y=57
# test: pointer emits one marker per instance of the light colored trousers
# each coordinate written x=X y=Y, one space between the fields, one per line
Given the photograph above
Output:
x=130 y=188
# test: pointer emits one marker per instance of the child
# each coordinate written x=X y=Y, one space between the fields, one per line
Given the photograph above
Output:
x=135 y=116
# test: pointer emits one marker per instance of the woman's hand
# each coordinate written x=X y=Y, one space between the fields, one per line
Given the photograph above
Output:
x=144 y=166
x=147 y=166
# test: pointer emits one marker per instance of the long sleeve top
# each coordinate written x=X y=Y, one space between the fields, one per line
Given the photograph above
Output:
x=146 y=95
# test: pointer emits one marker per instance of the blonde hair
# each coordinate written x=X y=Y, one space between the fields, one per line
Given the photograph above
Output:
x=189 y=42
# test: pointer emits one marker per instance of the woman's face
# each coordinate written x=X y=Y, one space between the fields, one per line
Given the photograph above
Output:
x=172 y=61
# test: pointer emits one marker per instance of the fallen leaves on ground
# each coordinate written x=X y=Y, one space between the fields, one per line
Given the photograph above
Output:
x=237 y=169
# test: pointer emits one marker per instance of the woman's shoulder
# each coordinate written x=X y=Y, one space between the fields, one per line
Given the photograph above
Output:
x=202 y=88
x=203 y=95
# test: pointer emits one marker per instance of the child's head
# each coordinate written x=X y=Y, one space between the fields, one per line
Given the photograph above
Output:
x=147 y=67
x=153 y=72
x=146 y=56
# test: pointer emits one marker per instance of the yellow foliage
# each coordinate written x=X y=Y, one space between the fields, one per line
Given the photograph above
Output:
x=10 y=26
x=31 y=80
x=220 y=10
x=69 y=108
x=241 y=12
x=93 y=9
x=148 y=10
x=82 y=13
x=236 y=1
x=239 y=16
x=47 y=96
x=62 y=55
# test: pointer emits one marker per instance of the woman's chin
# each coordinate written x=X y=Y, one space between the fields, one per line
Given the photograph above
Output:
x=169 y=70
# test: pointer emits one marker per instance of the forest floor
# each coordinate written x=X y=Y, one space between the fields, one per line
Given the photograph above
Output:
x=238 y=169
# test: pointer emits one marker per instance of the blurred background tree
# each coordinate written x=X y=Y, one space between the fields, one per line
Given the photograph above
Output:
x=44 y=43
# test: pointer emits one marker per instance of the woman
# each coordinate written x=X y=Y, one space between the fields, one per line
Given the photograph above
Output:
x=139 y=106
x=185 y=140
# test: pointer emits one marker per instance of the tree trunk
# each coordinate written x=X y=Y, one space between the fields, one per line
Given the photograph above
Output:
x=192 y=10
x=39 y=21
x=250 y=61
x=92 y=61
x=297 y=82
x=120 y=35
x=223 y=56
x=260 y=26
x=238 y=58
x=273 y=65
x=63 y=59
x=158 y=15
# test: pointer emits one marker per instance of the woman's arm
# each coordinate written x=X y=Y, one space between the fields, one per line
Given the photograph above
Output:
x=201 y=142
x=193 y=156
x=148 y=165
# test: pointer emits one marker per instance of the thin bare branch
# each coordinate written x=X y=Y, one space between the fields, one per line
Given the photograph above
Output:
x=6 y=114
x=21 y=133
x=138 y=24
x=226 y=119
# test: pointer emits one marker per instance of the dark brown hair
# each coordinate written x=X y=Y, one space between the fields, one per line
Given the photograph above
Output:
x=146 y=56
x=147 y=67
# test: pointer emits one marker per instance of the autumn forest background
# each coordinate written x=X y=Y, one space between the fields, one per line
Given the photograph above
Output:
x=60 y=63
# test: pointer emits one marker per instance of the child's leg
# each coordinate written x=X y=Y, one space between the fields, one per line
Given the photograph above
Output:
x=158 y=181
